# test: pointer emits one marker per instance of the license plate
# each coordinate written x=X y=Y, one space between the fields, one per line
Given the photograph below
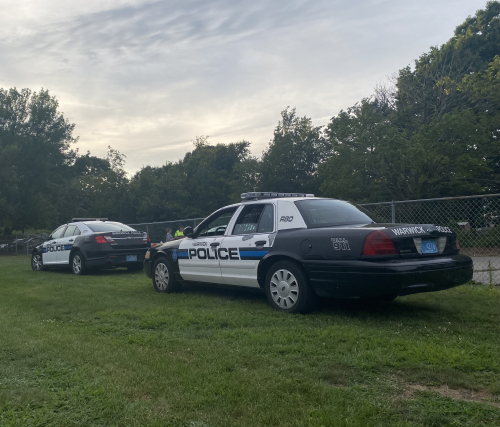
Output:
x=429 y=246
x=131 y=258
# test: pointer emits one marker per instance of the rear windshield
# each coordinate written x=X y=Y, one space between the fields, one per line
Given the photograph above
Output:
x=327 y=212
x=97 y=227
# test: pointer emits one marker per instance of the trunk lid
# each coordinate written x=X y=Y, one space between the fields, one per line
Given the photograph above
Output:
x=419 y=240
x=126 y=239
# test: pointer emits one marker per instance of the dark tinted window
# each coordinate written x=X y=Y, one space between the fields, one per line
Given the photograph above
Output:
x=325 y=212
x=248 y=220
x=98 y=227
x=255 y=219
x=266 y=223
x=58 y=233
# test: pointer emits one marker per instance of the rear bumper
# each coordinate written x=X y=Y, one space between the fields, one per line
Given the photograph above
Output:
x=115 y=259
x=347 y=279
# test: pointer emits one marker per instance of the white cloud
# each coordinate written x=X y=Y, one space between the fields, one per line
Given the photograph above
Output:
x=148 y=77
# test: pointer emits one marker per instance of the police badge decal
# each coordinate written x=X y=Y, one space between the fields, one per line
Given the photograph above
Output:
x=174 y=255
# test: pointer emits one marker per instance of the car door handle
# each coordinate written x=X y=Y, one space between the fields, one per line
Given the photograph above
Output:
x=213 y=245
x=260 y=243
x=71 y=240
x=54 y=242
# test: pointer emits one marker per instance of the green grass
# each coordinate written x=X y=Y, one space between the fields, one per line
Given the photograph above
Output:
x=106 y=350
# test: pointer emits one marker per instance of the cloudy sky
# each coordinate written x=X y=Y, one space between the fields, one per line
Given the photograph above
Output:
x=147 y=77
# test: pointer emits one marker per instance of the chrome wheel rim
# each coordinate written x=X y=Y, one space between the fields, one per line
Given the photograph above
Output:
x=284 y=289
x=161 y=276
x=77 y=264
x=37 y=262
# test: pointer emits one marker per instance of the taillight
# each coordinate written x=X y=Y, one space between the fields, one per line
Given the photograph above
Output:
x=457 y=245
x=100 y=239
x=146 y=238
x=379 y=243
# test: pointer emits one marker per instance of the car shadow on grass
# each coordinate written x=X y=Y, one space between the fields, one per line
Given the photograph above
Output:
x=400 y=308
x=99 y=272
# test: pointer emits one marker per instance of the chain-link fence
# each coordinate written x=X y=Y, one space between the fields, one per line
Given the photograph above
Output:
x=19 y=244
x=475 y=219
x=157 y=231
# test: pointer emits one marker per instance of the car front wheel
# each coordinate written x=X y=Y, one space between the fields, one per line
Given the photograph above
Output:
x=288 y=289
x=36 y=262
x=164 y=280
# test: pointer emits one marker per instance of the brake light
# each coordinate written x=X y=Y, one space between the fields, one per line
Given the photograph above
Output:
x=147 y=239
x=100 y=239
x=379 y=243
x=457 y=245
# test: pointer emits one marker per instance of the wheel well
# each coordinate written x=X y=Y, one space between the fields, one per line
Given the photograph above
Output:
x=73 y=250
x=269 y=262
x=159 y=255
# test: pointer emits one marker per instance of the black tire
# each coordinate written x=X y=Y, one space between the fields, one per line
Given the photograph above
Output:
x=163 y=277
x=288 y=289
x=77 y=263
x=135 y=267
x=37 y=262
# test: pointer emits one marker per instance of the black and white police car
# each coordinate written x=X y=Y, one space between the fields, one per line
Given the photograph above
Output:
x=298 y=247
x=86 y=243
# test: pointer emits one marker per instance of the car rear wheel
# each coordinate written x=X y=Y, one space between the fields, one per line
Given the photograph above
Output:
x=36 y=262
x=164 y=280
x=78 y=264
x=288 y=289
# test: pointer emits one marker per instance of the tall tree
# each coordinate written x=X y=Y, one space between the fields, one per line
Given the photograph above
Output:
x=289 y=163
x=434 y=134
x=35 y=143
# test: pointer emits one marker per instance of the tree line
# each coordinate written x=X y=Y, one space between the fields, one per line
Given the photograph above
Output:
x=431 y=130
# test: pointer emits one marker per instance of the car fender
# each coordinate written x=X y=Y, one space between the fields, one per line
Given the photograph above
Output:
x=273 y=257
x=78 y=245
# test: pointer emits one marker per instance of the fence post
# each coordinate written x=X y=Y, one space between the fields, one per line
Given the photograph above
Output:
x=393 y=212
x=16 y=243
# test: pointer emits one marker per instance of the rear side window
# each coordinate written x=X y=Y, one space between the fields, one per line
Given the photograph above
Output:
x=98 y=227
x=327 y=212
x=58 y=233
x=266 y=223
x=72 y=230
x=255 y=219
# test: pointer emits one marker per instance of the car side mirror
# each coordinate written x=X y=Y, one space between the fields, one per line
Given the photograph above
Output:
x=188 y=231
x=45 y=236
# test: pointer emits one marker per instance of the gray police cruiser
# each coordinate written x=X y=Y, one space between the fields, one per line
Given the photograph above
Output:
x=86 y=243
x=299 y=247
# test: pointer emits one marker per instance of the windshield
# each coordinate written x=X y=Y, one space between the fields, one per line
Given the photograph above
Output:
x=327 y=213
x=98 y=227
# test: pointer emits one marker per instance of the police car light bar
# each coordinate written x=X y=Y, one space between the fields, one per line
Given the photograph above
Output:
x=88 y=219
x=267 y=195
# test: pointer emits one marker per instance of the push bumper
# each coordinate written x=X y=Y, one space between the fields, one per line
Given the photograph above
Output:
x=347 y=279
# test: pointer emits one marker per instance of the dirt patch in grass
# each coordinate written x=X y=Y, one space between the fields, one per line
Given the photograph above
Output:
x=455 y=394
